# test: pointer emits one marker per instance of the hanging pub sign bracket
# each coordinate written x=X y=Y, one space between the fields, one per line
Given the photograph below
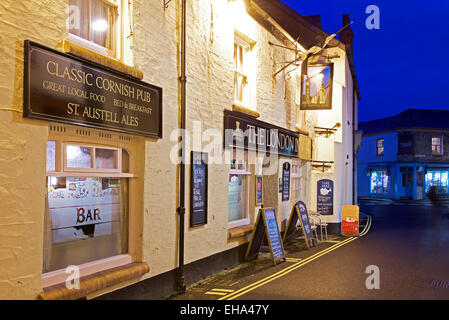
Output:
x=327 y=131
x=322 y=165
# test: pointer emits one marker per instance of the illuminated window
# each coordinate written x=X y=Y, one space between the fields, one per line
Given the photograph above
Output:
x=437 y=146
x=238 y=204
x=379 y=182
x=380 y=147
x=437 y=181
x=96 y=21
x=87 y=204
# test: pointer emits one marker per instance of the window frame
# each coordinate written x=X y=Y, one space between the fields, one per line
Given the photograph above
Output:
x=116 y=53
x=440 y=145
x=59 y=276
x=377 y=147
x=241 y=41
x=245 y=175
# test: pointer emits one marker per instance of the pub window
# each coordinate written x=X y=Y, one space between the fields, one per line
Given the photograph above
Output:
x=242 y=68
x=238 y=196
x=97 y=22
x=437 y=145
x=87 y=207
x=380 y=147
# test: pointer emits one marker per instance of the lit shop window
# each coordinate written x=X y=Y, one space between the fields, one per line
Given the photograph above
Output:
x=380 y=147
x=238 y=195
x=437 y=181
x=241 y=68
x=87 y=204
x=379 y=182
x=95 y=21
x=437 y=146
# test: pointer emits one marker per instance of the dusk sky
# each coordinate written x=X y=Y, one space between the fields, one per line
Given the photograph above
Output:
x=404 y=64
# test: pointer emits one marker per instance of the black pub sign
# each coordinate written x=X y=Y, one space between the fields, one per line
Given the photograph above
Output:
x=245 y=132
x=61 y=87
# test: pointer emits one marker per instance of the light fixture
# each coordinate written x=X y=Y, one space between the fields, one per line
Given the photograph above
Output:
x=100 y=25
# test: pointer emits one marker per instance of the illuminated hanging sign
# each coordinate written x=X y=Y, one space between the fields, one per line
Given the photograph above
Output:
x=65 y=88
x=316 y=87
x=245 y=132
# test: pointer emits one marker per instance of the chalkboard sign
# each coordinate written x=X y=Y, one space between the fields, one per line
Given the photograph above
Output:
x=299 y=213
x=266 y=224
x=325 y=197
x=259 y=190
x=198 y=190
x=286 y=181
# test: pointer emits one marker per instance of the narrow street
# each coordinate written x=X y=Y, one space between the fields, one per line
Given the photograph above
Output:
x=407 y=243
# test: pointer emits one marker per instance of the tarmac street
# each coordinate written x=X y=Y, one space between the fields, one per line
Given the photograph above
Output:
x=403 y=255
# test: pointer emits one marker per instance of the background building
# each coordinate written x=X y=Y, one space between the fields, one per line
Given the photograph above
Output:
x=405 y=156
x=130 y=180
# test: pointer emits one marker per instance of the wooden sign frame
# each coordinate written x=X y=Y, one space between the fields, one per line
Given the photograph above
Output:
x=194 y=221
x=291 y=225
x=260 y=231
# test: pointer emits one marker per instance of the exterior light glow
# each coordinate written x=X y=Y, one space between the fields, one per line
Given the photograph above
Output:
x=100 y=25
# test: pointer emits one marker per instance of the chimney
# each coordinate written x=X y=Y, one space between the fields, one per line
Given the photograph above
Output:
x=315 y=20
x=346 y=35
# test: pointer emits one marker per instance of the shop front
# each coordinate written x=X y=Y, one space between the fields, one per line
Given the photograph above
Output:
x=265 y=170
x=436 y=181
x=96 y=117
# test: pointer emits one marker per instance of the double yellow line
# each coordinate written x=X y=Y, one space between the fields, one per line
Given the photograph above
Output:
x=285 y=271
x=367 y=226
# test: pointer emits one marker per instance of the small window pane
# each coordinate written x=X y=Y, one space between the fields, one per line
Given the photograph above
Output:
x=237 y=197
x=79 y=157
x=51 y=156
x=79 y=18
x=105 y=158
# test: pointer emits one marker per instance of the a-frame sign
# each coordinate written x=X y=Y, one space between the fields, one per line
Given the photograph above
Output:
x=266 y=224
x=299 y=213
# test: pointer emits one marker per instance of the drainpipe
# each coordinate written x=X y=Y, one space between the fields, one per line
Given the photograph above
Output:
x=180 y=283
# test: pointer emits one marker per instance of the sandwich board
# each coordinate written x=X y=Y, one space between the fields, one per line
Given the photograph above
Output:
x=266 y=224
x=299 y=213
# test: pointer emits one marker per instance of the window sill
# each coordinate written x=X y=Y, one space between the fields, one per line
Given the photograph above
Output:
x=240 y=231
x=96 y=282
x=242 y=109
x=71 y=48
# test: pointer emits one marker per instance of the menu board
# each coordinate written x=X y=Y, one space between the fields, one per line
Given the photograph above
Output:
x=286 y=181
x=198 y=190
x=266 y=224
x=325 y=197
x=274 y=238
x=299 y=213
x=259 y=190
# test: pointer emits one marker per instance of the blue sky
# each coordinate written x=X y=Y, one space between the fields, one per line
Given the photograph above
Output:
x=404 y=64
